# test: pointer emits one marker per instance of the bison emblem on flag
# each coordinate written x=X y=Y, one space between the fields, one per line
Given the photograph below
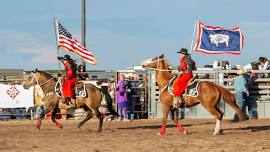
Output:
x=218 y=40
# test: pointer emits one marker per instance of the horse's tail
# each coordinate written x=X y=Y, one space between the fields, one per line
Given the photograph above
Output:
x=229 y=98
x=109 y=103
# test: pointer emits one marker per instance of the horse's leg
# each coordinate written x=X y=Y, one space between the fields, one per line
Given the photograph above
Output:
x=40 y=113
x=165 y=110
x=100 y=117
x=89 y=115
x=53 y=118
x=218 y=129
x=178 y=124
x=217 y=114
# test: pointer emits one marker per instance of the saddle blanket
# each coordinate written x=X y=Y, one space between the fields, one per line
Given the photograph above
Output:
x=191 y=90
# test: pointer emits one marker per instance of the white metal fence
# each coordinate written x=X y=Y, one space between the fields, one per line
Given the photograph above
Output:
x=260 y=93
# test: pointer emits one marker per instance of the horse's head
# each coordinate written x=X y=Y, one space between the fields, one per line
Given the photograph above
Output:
x=31 y=80
x=36 y=77
x=152 y=62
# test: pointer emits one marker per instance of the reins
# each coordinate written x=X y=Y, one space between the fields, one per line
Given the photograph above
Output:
x=157 y=69
x=35 y=77
x=38 y=86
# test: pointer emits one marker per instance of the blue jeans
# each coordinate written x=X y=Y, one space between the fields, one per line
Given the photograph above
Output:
x=251 y=109
x=242 y=101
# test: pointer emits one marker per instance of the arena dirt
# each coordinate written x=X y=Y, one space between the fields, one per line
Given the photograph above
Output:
x=135 y=136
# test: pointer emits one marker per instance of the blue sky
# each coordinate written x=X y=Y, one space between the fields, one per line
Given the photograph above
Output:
x=120 y=33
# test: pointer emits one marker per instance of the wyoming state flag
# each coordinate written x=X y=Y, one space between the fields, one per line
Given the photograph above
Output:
x=218 y=40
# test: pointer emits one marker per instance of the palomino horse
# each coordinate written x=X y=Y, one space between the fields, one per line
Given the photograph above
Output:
x=90 y=103
x=209 y=95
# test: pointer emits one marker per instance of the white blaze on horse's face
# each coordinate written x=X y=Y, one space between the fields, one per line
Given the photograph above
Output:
x=147 y=62
x=31 y=81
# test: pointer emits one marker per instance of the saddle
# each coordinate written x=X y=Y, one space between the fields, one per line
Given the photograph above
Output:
x=191 y=90
x=80 y=90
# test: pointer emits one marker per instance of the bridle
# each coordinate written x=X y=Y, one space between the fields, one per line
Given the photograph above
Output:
x=38 y=86
x=157 y=67
x=37 y=81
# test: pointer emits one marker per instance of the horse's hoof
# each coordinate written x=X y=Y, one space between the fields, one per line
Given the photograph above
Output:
x=59 y=126
x=185 y=132
x=160 y=134
x=220 y=132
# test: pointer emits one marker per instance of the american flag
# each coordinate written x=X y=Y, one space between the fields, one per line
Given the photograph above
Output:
x=70 y=43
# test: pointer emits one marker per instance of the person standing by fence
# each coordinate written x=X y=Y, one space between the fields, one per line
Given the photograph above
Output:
x=240 y=86
x=250 y=79
x=121 y=98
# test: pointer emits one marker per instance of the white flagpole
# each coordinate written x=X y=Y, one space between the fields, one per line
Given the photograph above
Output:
x=191 y=46
x=57 y=39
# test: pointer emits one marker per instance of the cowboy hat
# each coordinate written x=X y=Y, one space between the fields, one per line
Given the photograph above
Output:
x=241 y=71
x=183 y=51
x=66 y=57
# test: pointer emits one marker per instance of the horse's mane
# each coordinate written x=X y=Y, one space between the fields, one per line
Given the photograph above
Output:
x=168 y=67
x=45 y=74
x=167 y=64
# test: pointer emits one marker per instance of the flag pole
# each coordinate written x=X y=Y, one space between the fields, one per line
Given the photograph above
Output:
x=194 y=29
x=57 y=40
x=83 y=27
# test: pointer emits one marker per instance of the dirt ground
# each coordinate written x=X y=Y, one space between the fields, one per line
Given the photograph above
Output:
x=135 y=136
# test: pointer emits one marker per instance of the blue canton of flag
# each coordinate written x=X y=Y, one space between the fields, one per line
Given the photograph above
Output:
x=218 y=40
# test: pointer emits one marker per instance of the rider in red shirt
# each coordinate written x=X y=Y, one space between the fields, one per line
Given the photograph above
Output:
x=185 y=67
x=70 y=78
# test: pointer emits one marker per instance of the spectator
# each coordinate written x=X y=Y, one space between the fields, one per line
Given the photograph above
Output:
x=111 y=88
x=121 y=98
x=250 y=79
x=240 y=86
x=130 y=106
x=81 y=73
x=264 y=63
x=252 y=66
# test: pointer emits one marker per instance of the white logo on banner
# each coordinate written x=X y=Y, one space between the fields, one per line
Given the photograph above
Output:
x=219 y=38
x=13 y=92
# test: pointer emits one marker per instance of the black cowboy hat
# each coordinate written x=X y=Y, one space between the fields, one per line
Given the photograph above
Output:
x=183 y=51
x=66 y=57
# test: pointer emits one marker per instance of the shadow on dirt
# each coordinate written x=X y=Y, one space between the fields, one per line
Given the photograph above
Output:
x=158 y=126
x=252 y=128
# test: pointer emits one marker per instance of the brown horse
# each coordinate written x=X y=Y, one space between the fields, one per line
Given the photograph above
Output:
x=209 y=95
x=91 y=103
